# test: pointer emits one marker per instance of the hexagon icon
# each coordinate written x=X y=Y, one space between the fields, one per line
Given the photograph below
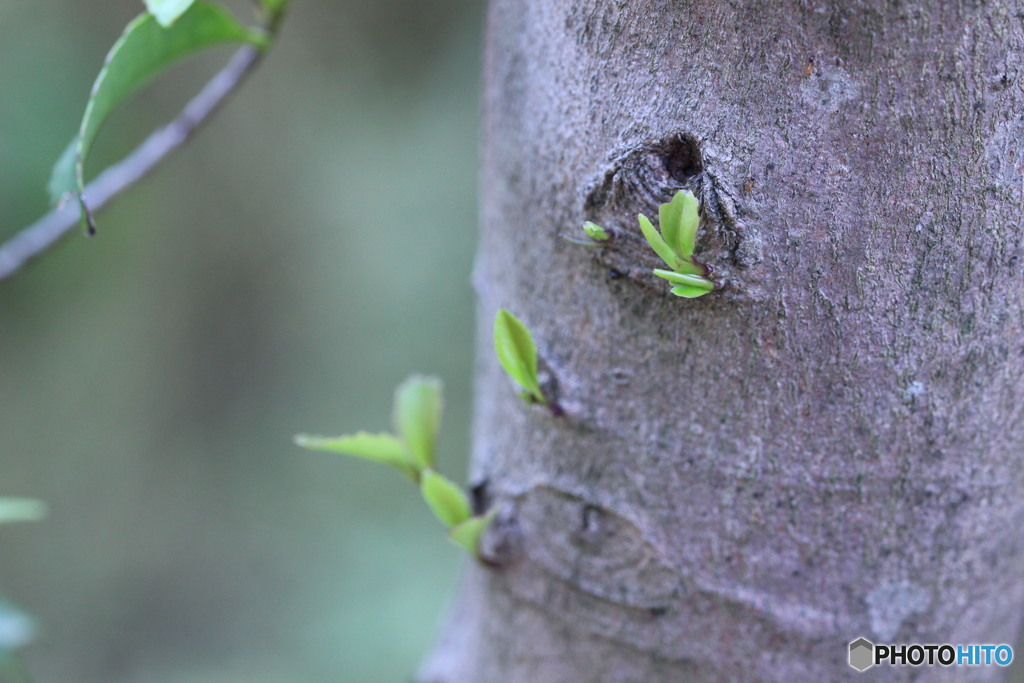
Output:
x=862 y=654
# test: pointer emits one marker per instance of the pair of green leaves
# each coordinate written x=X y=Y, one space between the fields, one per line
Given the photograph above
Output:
x=450 y=505
x=517 y=353
x=678 y=220
x=416 y=417
x=154 y=41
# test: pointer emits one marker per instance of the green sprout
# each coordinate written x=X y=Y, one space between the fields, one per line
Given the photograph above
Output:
x=518 y=355
x=596 y=232
x=416 y=417
x=597 y=236
x=678 y=220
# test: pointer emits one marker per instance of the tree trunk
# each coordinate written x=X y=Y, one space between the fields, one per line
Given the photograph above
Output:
x=828 y=447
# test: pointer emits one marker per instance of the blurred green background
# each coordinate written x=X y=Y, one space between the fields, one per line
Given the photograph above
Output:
x=282 y=273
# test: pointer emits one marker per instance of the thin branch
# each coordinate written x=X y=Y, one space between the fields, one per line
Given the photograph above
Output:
x=48 y=230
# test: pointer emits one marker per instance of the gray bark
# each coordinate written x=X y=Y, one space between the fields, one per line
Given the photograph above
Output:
x=828 y=447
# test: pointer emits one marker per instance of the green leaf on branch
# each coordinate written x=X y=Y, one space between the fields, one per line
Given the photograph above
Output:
x=381 y=448
x=144 y=50
x=446 y=499
x=21 y=510
x=418 y=407
x=517 y=353
x=679 y=220
x=468 y=533
x=167 y=11
x=419 y=403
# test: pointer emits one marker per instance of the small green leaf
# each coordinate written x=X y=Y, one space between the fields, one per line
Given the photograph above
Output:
x=685 y=279
x=419 y=402
x=689 y=291
x=669 y=215
x=517 y=353
x=468 y=533
x=678 y=220
x=596 y=232
x=661 y=248
x=21 y=510
x=446 y=499
x=167 y=11
x=688 y=222
x=382 y=448
x=144 y=50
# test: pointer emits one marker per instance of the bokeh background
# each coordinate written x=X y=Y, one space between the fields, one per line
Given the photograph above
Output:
x=282 y=273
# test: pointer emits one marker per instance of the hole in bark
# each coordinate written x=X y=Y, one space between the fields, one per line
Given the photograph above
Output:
x=683 y=159
x=591 y=519
x=592 y=526
x=480 y=497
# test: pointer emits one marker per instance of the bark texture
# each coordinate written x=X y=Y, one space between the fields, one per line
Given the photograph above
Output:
x=830 y=446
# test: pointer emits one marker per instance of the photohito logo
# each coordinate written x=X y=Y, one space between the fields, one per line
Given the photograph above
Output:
x=864 y=654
